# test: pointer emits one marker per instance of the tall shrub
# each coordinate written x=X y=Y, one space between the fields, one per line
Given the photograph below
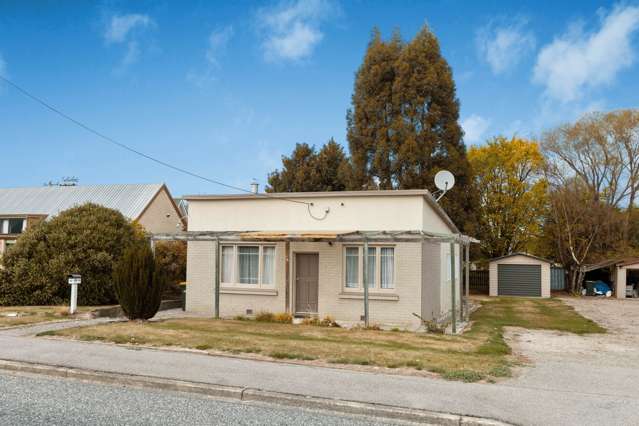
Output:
x=139 y=281
x=87 y=239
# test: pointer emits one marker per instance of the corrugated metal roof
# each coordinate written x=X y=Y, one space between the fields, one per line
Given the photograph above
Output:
x=129 y=199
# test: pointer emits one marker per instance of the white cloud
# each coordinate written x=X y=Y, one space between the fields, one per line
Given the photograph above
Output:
x=121 y=25
x=127 y=30
x=577 y=60
x=474 y=128
x=291 y=30
x=503 y=45
x=218 y=40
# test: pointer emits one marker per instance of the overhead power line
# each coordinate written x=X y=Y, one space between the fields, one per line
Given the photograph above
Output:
x=135 y=151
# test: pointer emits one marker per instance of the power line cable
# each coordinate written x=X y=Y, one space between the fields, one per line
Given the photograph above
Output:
x=135 y=151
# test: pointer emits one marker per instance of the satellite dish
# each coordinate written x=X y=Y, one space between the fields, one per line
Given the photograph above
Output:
x=444 y=180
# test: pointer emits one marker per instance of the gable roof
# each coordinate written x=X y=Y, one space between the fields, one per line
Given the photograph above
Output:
x=624 y=261
x=325 y=194
x=521 y=254
x=129 y=199
x=629 y=261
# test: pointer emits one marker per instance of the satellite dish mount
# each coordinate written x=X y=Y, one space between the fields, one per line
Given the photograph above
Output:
x=444 y=181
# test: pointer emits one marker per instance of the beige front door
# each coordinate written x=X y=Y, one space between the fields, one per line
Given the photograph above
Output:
x=306 y=282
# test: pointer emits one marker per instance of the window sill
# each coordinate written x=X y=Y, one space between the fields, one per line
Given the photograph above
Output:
x=371 y=296
x=249 y=291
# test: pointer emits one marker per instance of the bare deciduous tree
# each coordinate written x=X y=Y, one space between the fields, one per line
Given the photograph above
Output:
x=602 y=151
x=581 y=227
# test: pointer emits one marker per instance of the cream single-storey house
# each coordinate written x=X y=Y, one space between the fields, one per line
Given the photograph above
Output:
x=382 y=257
x=151 y=205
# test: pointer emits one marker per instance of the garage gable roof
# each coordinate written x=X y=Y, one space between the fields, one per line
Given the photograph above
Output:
x=532 y=256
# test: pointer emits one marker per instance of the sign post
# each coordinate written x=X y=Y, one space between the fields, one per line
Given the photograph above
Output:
x=74 y=280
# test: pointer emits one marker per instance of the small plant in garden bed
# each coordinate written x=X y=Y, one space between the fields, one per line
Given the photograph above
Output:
x=282 y=317
x=326 y=322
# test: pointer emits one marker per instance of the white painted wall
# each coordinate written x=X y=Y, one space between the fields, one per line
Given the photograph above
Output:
x=446 y=297
x=369 y=213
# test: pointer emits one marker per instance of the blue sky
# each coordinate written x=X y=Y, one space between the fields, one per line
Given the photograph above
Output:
x=225 y=88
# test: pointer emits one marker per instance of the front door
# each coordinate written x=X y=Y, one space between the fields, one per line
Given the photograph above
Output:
x=306 y=282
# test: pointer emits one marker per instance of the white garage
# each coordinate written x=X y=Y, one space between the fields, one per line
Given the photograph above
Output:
x=519 y=274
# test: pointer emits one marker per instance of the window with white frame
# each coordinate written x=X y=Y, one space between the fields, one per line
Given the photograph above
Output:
x=247 y=265
x=12 y=226
x=381 y=268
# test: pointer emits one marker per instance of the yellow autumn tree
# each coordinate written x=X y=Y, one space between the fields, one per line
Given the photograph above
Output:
x=512 y=192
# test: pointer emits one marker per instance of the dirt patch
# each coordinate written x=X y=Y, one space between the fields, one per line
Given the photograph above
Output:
x=620 y=346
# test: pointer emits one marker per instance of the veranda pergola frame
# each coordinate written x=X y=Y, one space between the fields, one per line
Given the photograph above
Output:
x=364 y=237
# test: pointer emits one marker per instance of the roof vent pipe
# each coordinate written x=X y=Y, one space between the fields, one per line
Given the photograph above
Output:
x=255 y=187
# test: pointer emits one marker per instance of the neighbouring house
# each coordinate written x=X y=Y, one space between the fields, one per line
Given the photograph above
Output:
x=519 y=274
x=303 y=253
x=151 y=205
x=622 y=274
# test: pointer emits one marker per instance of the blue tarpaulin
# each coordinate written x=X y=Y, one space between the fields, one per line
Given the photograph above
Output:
x=601 y=287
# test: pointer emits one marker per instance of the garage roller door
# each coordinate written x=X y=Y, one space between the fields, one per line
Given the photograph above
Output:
x=519 y=280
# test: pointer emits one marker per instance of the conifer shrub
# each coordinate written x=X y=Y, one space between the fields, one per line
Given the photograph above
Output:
x=139 y=281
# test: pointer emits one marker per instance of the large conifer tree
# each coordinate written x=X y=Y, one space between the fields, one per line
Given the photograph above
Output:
x=403 y=126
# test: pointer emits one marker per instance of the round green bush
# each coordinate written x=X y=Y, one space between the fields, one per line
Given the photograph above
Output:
x=87 y=239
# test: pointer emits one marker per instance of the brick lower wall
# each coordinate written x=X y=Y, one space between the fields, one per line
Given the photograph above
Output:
x=333 y=299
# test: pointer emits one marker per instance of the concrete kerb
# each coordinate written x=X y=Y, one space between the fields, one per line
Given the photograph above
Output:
x=251 y=395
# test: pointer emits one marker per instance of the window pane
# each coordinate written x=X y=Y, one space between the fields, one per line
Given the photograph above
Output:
x=352 y=267
x=370 y=276
x=268 y=260
x=249 y=260
x=227 y=264
x=15 y=226
x=387 y=260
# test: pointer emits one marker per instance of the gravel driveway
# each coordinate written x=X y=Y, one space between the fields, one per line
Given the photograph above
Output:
x=606 y=364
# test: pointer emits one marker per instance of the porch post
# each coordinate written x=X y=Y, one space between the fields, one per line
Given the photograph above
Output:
x=462 y=295
x=365 y=281
x=287 y=274
x=452 y=290
x=217 y=278
x=467 y=271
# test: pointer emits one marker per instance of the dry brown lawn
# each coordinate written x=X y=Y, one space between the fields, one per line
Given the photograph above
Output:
x=480 y=353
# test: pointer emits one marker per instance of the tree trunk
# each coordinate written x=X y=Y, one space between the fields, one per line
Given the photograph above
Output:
x=576 y=279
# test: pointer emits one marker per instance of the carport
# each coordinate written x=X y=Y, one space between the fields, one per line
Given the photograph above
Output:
x=621 y=274
x=519 y=274
x=627 y=278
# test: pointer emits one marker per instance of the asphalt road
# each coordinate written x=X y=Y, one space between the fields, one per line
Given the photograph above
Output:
x=37 y=400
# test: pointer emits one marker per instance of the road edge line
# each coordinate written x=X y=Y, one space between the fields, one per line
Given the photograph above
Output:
x=248 y=394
